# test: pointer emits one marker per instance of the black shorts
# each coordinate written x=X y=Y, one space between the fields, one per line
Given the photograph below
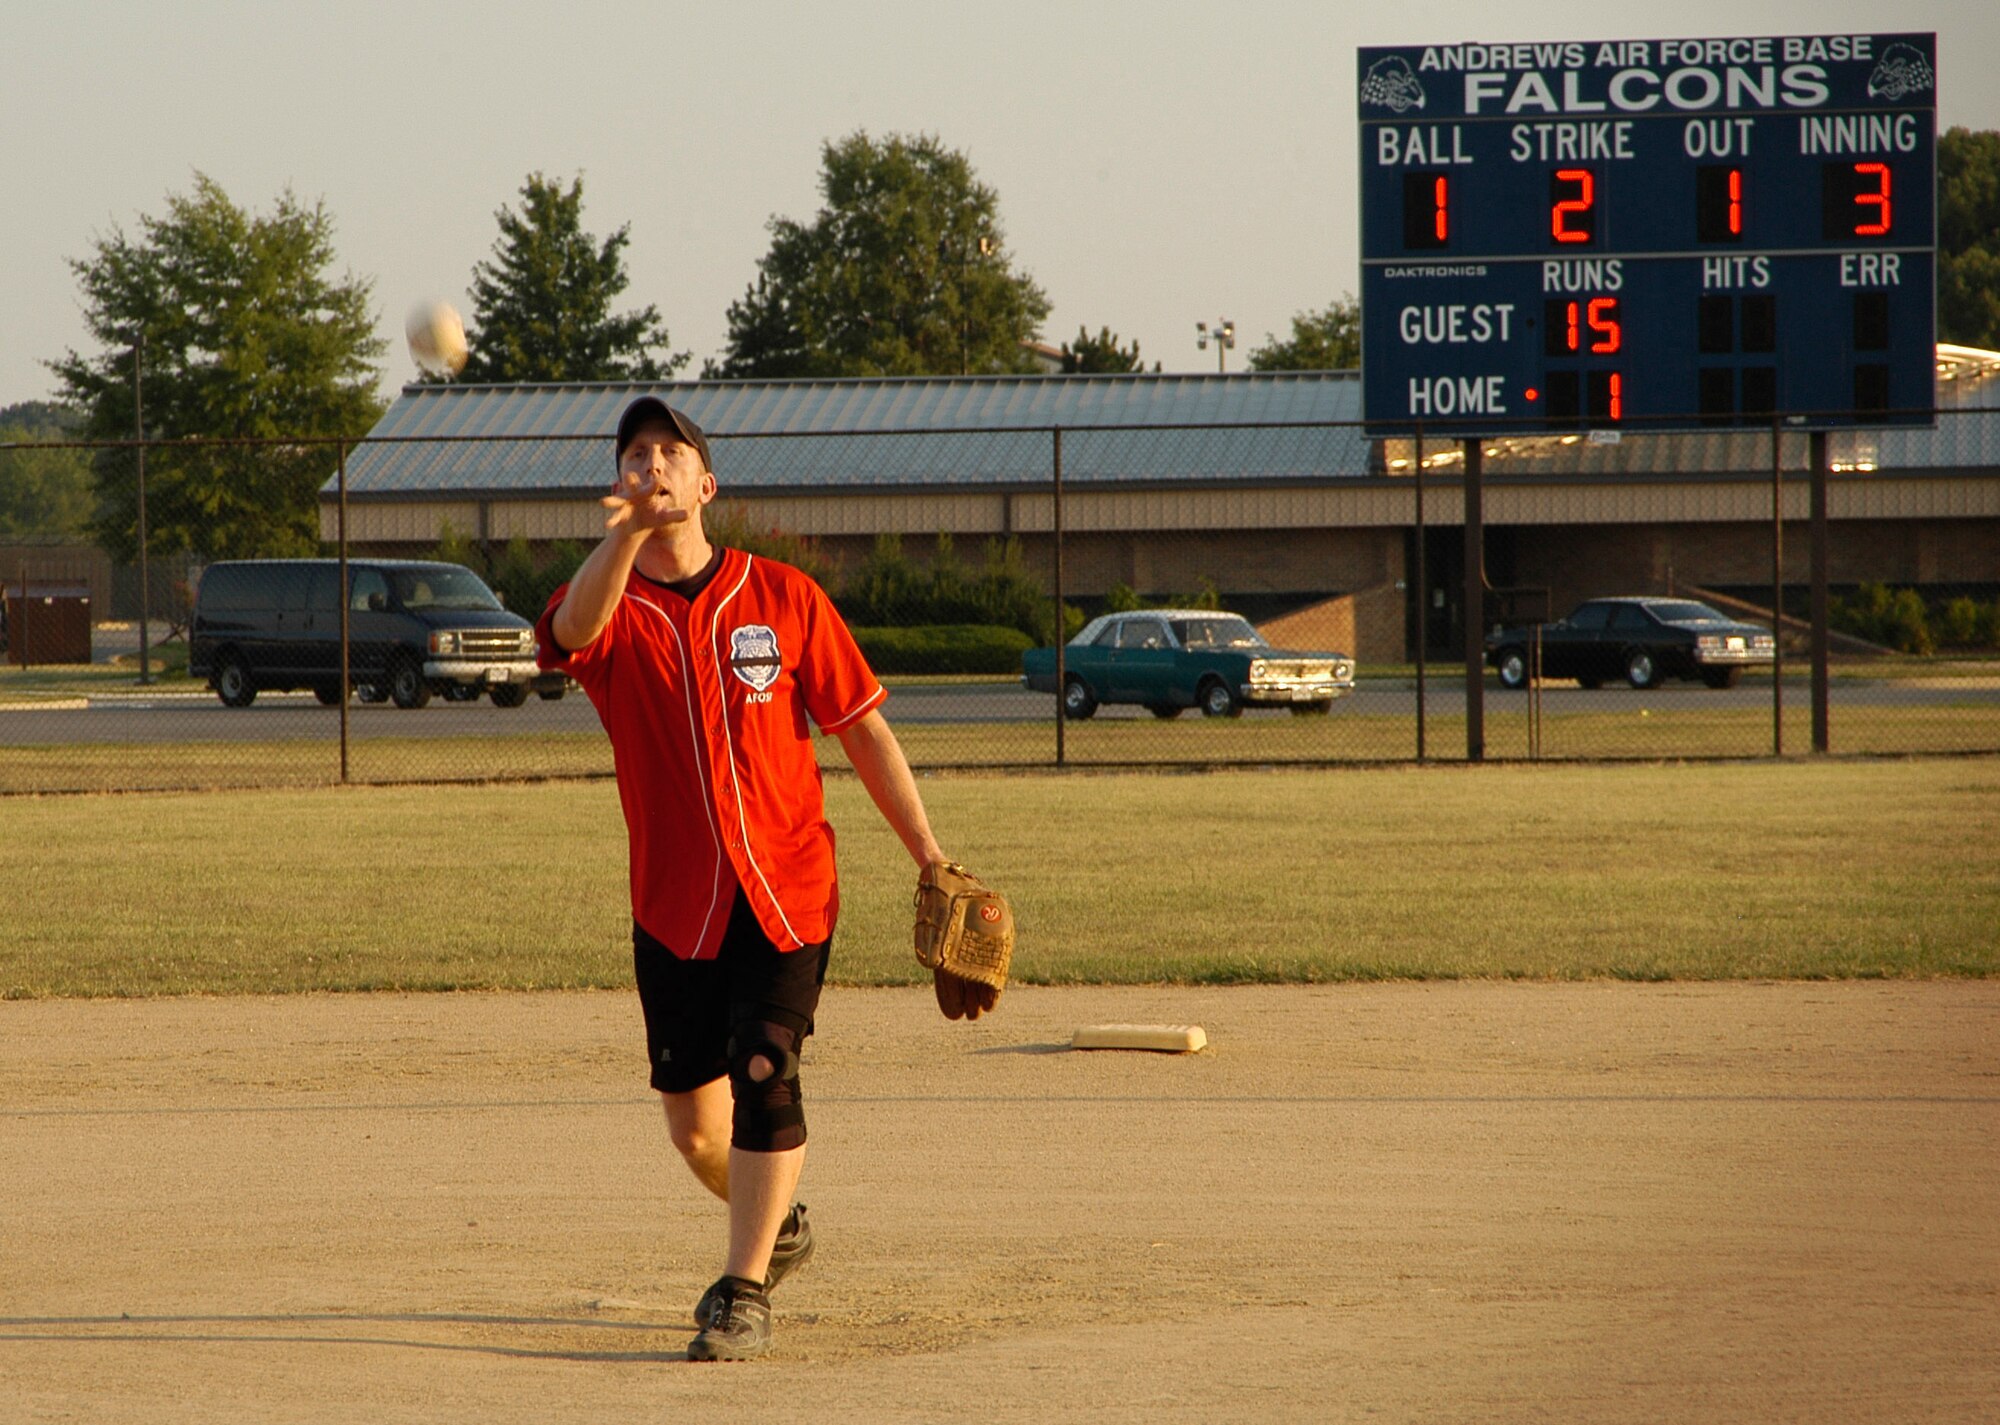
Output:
x=691 y=1005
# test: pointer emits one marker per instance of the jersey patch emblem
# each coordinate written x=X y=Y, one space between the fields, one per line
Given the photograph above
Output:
x=753 y=655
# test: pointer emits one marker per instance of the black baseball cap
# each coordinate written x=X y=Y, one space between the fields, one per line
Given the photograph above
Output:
x=652 y=408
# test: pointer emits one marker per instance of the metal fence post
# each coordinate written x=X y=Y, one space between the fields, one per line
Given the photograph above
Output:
x=1061 y=625
x=346 y=662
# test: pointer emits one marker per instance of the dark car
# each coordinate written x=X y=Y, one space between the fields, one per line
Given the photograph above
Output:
x=1641 y=640
x=414 y=628
x=1169 y=660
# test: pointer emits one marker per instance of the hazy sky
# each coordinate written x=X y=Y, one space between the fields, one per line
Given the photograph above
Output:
x=1157 y=164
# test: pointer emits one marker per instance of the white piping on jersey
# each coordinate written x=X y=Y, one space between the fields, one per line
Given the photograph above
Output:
x=714 y=630
x=694 y=736
x=840 y=724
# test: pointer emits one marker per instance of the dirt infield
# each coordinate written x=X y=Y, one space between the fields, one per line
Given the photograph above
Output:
x=1471 y=1201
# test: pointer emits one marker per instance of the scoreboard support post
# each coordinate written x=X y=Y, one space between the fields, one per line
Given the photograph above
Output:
x=1821 y=739
x=1423 y=585
x=1777 y=588
x=1475 y=601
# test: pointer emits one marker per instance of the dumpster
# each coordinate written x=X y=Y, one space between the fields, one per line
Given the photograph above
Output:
x=47 y=623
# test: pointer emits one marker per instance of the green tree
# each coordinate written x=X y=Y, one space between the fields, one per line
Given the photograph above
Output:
x=542 y=305
x=1326 y=340
x=40 y=420
x=903 y=272
x=1968 y=299
x=46 y=493
x=245 y=335
x=1091 y=355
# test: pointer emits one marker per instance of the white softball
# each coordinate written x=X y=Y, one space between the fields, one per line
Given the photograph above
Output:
x=437 y=338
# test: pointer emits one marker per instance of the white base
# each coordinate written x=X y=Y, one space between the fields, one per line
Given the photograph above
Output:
x=1168 y=1038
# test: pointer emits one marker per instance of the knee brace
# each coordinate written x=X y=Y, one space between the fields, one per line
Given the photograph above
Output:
x=769 y=1115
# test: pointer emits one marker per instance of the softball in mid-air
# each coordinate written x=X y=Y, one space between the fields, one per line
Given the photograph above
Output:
x=437 y=338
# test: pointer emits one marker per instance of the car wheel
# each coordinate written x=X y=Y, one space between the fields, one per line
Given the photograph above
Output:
x=1218 y=701
x=1512 y=665
x=328 y=694
x=1591 y=683
x=550 y=695
x=1640 y=670
x=1078 y=702
x=1318 y=709
x=508 y=695
x=1722 y=677
x=461 y=693
x=407 y=687
x=371 y=693
x=1165 y=712
x=233 y=683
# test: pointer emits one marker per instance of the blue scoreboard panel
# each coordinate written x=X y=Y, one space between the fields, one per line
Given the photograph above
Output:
x=1649 y=234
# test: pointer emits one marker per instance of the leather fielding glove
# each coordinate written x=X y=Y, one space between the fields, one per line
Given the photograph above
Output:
x=964 y=937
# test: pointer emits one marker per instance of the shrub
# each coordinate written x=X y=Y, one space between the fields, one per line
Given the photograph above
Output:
x=511 y=576
x=888 y=589
x=1961 y=623
x=525 y=583
x=943 y=648
x=456 y=548
x=1008 y=594
x=1895 y=618
x=885 y=587
x=1205 y=596
x=725 y=524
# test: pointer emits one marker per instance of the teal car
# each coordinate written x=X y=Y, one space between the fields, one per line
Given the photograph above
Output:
x=1169 y=660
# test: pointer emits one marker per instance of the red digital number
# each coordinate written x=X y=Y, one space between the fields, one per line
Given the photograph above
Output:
x=1600 y=317
x=1879 y=199
x=1579 y=206
x=1441 y=198
x=1736 y=202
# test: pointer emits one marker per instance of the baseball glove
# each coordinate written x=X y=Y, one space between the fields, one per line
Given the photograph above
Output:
x=965 y=938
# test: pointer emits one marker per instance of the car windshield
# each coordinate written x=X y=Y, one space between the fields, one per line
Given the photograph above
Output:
x=442 y=589
x=1685 y=611
x=1225 y=631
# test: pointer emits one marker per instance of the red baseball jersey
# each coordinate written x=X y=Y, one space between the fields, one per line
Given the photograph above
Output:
x=707 y=703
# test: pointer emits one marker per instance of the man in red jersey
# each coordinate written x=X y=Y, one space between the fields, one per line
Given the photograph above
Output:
x=706 y=665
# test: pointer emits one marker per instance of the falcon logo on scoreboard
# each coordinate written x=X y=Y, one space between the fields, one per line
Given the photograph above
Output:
x=1901 y=73
x=753 y=655
x=1393 y=84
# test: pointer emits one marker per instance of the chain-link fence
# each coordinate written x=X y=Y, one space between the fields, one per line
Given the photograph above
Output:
x=1130 y=596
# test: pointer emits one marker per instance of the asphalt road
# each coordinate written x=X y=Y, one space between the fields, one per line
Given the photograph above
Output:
x=280 y=717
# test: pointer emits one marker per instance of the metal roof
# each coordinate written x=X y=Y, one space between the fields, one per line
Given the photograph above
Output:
x=909 y=432
x=986 y=432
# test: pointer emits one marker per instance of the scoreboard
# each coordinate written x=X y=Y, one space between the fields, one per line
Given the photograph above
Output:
x=1649 y=234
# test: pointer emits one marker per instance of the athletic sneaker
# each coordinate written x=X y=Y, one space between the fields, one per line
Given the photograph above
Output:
x=793 y=1250
x=794 y=1246
x=739 y=1325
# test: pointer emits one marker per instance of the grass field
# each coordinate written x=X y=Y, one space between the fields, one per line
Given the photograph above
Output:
x=1810 y=869
x=1686 y=726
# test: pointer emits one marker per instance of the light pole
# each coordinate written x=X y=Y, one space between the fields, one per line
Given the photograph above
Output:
x=1224 y=335
x=145 y=574
x=985 y=246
